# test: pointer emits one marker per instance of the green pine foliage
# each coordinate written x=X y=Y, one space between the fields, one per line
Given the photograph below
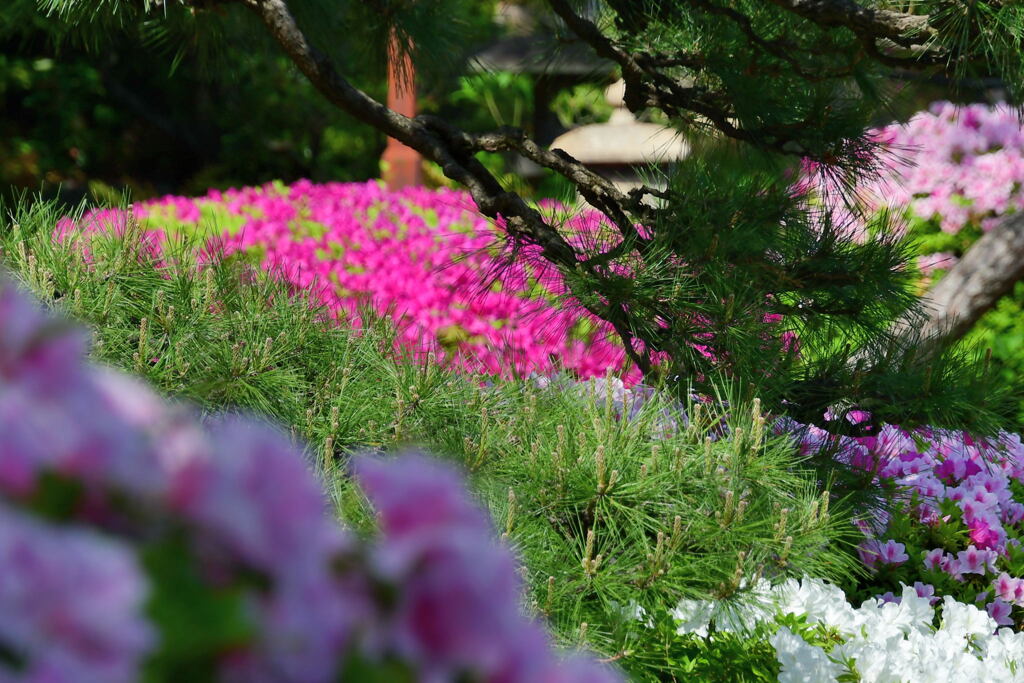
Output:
x=609 y=517
x=1002 y=331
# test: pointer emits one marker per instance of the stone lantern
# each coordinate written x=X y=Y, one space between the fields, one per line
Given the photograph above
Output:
x=622 y=148
x=531 y=47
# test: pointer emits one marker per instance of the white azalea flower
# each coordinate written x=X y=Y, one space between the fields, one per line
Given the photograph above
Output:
x=802 y=662
x=884 y=642
x=965 y=619
x=822 y=603
x=693 y=616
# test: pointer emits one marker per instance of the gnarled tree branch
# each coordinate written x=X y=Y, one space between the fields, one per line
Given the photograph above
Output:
x=648 y=87
x=901 y=28
x=987 y=272
x=891 y=37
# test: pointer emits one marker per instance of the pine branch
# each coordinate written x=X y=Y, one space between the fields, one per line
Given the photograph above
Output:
x=453 y=148
x=720 y=302
x=647 y=87
x=780 y=49
x=902 y=29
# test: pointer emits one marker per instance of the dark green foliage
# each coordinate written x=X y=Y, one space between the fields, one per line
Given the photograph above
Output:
x=1002 y=331
x=196 y=624
x=174 y=106
x=722 y=657
x=88 y=122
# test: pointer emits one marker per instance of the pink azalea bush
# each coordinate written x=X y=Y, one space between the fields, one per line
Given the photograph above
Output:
x=949 y=169
x=956 y=519
x=426 y=257
x=133 y=540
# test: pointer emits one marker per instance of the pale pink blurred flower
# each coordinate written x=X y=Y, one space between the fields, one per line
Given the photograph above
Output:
x=929 y=263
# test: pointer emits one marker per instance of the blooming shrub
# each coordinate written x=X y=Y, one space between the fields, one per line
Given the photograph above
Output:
x=137 y=543
x=951 y=169
x=955 y=523
x=426 y=257
x=818 y=636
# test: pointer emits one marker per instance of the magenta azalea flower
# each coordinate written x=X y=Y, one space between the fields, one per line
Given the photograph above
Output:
x=892 y=552
x=1000 y=612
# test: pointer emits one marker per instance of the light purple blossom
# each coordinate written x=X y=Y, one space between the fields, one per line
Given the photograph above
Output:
x=999 y=610
x=71 y=603
x=975 y=561
x=889 y=596
x=1009 y=589
x=892 y=552
x=458 y=611
x=926 y=590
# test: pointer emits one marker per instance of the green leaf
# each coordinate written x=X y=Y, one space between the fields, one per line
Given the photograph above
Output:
x=197 y=622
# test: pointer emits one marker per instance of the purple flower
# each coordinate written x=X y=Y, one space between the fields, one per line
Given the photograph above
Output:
x=999 y=610
x=926 y=590
x=892 y=552
x=889 y=596
x=1013 y=513
x=1009 y=589
x=259 y=497
x=36 y=349
x=255 y=497
x=985 y=530
x=936 y=559
x=868 y=552
x=975 y=561
x=457 y=611
x=458 y=607
x=71 y=603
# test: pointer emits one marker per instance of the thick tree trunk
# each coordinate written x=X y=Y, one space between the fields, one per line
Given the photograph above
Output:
x=988 y=271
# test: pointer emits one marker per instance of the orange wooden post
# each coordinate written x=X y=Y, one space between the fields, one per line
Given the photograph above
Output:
x=403 y=165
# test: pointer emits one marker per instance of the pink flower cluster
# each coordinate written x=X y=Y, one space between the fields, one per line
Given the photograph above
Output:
x=426 y=257
x=947 y=485
x=952 y=164
x=118 y=473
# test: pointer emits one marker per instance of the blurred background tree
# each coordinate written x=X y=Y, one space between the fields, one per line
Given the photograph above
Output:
x=80 y=123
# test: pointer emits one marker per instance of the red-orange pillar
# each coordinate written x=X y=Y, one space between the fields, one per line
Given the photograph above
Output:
x=402 y=165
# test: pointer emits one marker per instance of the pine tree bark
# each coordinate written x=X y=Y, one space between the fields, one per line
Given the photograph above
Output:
x=988 y=271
